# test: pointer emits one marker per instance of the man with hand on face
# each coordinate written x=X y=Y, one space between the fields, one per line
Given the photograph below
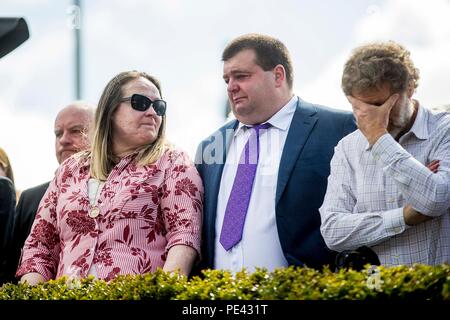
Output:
x=72 y=125
x=265 y=173
x=389 y=187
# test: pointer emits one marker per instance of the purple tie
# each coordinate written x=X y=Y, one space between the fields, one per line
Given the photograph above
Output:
x=233 y=222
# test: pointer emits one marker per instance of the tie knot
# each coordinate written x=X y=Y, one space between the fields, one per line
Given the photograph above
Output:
x=258 y=127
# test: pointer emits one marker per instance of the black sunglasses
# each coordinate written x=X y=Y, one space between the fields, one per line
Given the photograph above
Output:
x=142 y=103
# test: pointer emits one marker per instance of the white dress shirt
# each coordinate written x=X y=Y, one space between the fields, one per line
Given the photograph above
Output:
x=260 y=245
x=368 y=188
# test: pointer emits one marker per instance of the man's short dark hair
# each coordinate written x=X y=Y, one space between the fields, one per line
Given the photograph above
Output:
x=269 y=51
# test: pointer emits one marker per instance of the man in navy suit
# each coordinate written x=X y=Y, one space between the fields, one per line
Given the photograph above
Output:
x=294 y=142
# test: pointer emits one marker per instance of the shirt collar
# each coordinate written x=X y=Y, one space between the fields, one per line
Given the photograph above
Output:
x=280 y=120
x=420 y=128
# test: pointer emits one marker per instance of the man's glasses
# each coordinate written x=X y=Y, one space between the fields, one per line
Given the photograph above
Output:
x=142 y=103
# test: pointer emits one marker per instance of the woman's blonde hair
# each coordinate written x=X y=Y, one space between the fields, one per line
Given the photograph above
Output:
x=6 y=165
x=102 y=157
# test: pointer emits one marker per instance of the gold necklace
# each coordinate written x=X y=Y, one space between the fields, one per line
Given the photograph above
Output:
x=95 y=210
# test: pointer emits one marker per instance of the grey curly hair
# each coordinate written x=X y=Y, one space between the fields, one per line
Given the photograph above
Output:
x=375 y=64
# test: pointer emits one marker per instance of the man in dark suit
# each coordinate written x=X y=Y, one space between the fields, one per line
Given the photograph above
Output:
x=265 y=174
x=72 y=125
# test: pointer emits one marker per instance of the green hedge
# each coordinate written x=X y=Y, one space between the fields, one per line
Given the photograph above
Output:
x=418 y=282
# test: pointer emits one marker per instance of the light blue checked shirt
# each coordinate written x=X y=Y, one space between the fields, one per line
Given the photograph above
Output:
x=368 y=188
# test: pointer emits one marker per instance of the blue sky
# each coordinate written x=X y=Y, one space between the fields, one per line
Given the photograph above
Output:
x=180 y=42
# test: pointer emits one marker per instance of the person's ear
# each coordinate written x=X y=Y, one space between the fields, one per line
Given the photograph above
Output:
x=280 y=75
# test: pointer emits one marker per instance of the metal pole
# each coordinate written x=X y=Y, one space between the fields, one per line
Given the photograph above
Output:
x=78 y=66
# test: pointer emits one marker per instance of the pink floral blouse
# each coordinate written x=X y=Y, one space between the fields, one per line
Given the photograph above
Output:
x=144 y=211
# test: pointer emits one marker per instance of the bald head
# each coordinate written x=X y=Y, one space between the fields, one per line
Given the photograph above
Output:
x=72 y=129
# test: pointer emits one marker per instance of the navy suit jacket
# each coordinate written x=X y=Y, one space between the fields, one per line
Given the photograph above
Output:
x=302 y=181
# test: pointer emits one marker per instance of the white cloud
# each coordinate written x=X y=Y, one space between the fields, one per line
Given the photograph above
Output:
x=28 y=141
x=424 y=29
x=325 y=89
x=49 y=52
x=189 y=121
x=33 y=82
x=28 y=3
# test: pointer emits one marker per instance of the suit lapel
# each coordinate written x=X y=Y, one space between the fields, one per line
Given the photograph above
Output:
x=226 y=133
x=301 y=127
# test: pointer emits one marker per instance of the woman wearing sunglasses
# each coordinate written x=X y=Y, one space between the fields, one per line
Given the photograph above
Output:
x=130 y=205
